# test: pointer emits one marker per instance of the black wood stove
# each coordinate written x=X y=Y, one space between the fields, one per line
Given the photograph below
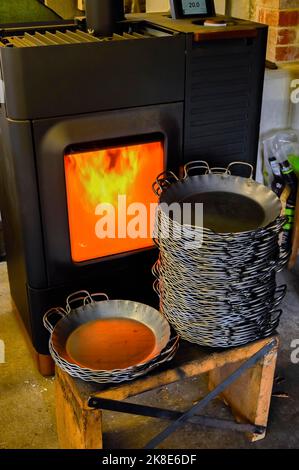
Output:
x=83 y=115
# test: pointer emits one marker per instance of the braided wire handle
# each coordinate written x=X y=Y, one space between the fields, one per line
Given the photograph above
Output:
x=156 y=268
x=90 y=298
x=219 y=170
x=283 y=260
x=75 y=297
x=284 y=255
x=195 y=166
x=72 y=298
x=156 y=287
x=156 y=274
x=163 y=181
x=279 y=295
x=248 y=165
x=273 y=322
x=46 y=318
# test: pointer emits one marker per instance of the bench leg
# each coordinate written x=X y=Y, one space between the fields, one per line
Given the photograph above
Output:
x=249 y=397
x=78 y=427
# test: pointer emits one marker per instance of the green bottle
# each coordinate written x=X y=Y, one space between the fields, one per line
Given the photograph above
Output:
x=278 y=183
x=291 y=181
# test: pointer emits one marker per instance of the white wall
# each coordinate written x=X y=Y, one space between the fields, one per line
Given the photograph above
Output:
x=294 y=72
x=240 y=9
x=220 y=6
x=157 y=5
x=295 y=117
x=276 y=100
x=276 y=113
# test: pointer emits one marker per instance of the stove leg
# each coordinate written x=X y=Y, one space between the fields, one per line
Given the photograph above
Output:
x=250 y=396
x=78 y=426
x=44 y=362
x=45 y=365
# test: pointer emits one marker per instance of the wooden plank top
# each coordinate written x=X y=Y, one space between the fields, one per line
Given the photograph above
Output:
x=190 y=360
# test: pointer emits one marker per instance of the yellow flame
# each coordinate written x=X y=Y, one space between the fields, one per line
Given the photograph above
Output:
x=96 y=177
x=105 y=174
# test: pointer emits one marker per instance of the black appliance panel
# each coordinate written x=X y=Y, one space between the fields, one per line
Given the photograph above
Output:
x=90 y=77
x=53 y=136
x=223 y=99
x=19 y=201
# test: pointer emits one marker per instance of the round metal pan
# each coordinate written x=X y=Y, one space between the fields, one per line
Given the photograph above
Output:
x=221 y=291
x=108 y=334
x=232 y=204
x=117 y=376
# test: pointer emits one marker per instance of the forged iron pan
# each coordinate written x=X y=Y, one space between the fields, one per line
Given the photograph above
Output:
x=232 y=204
x=67 y=344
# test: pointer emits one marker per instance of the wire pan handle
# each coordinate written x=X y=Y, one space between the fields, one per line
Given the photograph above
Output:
x=282 y=260
x=91 y=297
x=279 y=295
x=156 y=268
x=248 y=165
x=163 y=181
x=156 y=287
x=53 y=311
x=75 y=297
x=195 y=166
x=275 y=318
x=219 y=170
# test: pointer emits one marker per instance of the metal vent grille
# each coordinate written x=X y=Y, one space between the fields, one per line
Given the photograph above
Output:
x=219 y=102
x=56 y=38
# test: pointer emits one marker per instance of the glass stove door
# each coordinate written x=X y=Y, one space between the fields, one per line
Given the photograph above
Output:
x=110 y=199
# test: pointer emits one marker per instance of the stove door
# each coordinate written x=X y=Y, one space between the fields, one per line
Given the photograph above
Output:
x=110 y=201
x=95 y=174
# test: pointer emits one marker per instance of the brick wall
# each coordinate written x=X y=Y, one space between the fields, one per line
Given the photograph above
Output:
x=282 y=16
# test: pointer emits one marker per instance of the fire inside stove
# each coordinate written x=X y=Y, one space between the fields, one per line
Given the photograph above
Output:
x=110 y=199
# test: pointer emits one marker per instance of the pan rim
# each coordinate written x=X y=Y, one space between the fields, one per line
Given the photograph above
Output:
x=255 y=188
x=68 y=324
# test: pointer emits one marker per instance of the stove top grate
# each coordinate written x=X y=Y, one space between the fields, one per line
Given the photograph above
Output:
x=57 y=37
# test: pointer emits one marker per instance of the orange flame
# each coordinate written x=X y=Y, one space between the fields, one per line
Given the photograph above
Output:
x=100 y=176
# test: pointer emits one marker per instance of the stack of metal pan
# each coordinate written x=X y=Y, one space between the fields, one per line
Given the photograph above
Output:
x=108 y=341
x=217 y=282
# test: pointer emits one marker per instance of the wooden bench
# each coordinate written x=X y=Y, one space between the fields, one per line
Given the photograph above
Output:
x=80 y=427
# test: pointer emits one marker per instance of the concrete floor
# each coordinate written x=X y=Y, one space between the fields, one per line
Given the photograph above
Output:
x=27 y=411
